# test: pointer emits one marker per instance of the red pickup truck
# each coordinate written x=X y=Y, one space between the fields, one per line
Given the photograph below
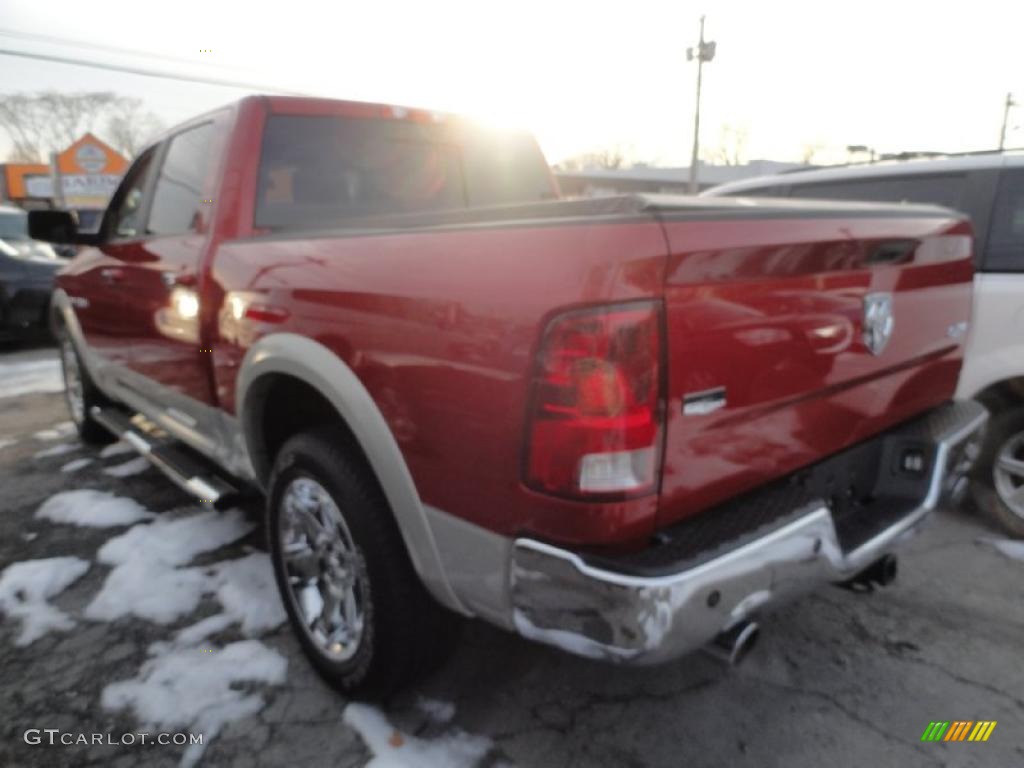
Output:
x=624 y=426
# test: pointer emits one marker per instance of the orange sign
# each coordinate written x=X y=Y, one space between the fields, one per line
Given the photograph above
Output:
x=90 y=170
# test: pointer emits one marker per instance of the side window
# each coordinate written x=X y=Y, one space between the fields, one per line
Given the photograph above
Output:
x=1005 y=249
x=177 y=196
x=944 y=189
x=126 y=206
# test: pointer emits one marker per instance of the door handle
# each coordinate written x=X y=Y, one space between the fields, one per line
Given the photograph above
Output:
x=111 y=275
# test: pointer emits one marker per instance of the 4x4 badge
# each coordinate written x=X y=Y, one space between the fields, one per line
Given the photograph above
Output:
x=878 y=321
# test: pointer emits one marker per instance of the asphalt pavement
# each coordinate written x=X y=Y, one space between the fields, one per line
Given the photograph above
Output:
x=838 y=679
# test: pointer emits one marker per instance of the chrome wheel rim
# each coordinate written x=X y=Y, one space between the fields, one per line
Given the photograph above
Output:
x=325 y=573
x=1008 y=472
x=73 y=389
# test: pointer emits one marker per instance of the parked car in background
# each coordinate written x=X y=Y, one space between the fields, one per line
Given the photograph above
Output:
x=989 y=187
x=622 y=426
x=27 y=271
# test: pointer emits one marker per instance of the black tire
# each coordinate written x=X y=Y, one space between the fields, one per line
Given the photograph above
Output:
x=406 y=633
x=91 y=431
x=1005 y=428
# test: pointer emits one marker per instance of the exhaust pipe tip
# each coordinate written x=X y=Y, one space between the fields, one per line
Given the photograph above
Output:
x=885 y=570
x=733 y=645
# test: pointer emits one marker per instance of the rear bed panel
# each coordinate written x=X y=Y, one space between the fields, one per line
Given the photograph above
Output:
x=441 y=325
x=772 y=310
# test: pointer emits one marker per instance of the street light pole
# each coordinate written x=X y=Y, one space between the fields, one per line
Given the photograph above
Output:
x=705 y=52
x=1006 y=119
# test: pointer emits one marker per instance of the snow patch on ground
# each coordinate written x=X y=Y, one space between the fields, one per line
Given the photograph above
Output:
x=147 y=582
x=6 y=442
x=196 y=689
x=247 y=590
x=440 y=712
x=185 y=684
x=57 y=450
x=394 y=749
x=248 y=595
x=93 y=509
x=151 y=591
x=133 y=467
x=202 y=629
x=76 y=464
x=1008 y=547
x=116 y=449
x=176 y=540
x=56 y=432
x=30 y=376
x=26 y=587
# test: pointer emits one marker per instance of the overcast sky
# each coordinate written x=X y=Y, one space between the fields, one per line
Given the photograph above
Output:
x=581 y=75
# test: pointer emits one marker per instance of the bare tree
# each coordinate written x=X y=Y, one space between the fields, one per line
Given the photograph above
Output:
x=731 y=148
x=611 y=157
x=130 y=127
x=20 y=155
x=39 y=123
x=25 y=124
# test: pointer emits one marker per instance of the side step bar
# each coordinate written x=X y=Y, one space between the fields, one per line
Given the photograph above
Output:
x=185 y=468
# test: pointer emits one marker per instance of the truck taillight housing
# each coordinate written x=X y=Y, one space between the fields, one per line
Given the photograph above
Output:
x=596 y=407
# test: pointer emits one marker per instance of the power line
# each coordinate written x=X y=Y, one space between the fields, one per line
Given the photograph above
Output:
x=103 y=47
x=149 y=72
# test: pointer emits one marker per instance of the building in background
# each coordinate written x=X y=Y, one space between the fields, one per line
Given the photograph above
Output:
x=600 y=182
x=89 y=172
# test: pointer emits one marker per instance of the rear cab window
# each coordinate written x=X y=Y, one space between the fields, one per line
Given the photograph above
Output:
x=320 y=171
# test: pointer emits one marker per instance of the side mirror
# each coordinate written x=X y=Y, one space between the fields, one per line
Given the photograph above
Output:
x=59 y=227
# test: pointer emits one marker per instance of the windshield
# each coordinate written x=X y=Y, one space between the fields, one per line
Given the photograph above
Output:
x=13 y=225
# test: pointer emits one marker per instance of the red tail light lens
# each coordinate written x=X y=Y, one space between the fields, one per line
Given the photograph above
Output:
x=595 y=412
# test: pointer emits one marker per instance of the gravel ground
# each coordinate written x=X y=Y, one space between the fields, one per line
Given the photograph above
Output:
x=841 y=679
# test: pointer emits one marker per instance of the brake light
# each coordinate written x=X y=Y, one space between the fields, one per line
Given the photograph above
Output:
x=595 y=414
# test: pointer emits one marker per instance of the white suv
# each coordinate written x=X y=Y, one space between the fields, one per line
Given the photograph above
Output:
x=990 y=188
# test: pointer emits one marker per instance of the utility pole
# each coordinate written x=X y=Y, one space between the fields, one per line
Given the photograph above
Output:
x=56 y=181
x=1006 y=119
x=705 y=52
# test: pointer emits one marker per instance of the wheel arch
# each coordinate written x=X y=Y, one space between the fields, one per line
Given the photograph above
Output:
x=318 y=368
x=62 y=317
x=1004 y=393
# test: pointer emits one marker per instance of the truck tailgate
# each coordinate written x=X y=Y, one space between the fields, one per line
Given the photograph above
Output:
x=772 y=314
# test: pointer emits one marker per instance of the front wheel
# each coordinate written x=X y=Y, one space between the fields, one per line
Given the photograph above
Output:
x=361 y=615
x=999 y=474
x=81 y=394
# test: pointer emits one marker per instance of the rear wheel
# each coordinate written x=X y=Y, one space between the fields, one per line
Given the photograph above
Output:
x=999 y=475
x=358 y=608
x=81 y=394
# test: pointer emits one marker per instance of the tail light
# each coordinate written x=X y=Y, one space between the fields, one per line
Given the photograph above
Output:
x=594 y=421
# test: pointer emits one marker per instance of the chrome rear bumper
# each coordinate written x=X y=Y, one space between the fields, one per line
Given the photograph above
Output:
x=594 y=610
